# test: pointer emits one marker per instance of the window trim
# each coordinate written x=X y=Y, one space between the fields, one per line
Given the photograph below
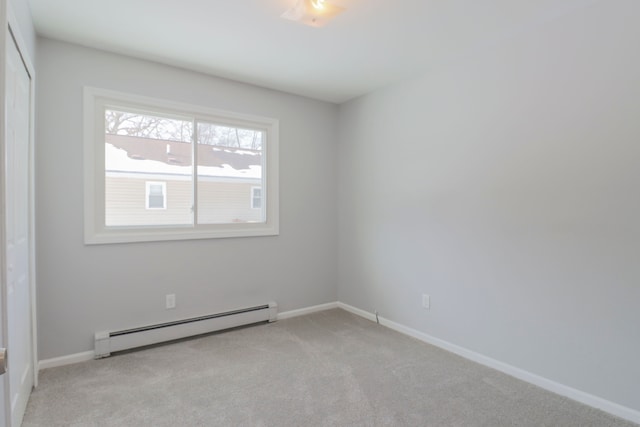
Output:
x=95 y=231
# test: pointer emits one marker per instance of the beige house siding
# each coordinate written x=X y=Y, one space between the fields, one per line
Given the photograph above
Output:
x=222 y=202
x=219 y=202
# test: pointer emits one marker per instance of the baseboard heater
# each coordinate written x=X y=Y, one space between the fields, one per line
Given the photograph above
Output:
x=111 y=342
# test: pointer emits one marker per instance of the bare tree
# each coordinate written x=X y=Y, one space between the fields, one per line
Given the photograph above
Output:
x=147 y=126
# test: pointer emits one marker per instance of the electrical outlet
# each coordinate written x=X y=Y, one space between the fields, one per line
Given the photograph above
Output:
x=426 y=301
x=170 y=301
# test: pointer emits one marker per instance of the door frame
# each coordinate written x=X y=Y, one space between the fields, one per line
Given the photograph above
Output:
x=14 y=28
x=11 y=33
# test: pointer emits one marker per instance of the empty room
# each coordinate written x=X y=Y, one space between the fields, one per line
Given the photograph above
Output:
x=320 y=213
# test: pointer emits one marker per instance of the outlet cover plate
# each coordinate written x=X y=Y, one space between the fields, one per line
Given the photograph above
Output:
x=170 y=301
x=426 y=301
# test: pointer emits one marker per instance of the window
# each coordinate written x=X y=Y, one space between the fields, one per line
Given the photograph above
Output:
x=156 y=195
x=256 y=198
x=192 y=166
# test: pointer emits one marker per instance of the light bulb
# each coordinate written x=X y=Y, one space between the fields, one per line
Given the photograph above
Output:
x=318 y=4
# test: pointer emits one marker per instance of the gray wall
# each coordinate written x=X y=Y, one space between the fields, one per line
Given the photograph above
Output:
x=505 y=185
x=83 y=289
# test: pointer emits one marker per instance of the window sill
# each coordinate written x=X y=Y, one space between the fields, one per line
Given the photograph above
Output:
x=155 y=234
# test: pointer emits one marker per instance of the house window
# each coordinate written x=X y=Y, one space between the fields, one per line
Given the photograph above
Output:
x=156 y=195
x=140 y=147
x=256 y=198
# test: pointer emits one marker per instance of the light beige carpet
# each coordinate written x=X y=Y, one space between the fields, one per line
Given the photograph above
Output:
x=324 y=369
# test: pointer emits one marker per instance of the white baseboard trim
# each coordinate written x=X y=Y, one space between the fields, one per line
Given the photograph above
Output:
x=547 y=384
x=307 y=310
x=357 y=311
x=65 y=360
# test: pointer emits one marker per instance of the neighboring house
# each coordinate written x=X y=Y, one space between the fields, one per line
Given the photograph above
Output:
x=149 y=182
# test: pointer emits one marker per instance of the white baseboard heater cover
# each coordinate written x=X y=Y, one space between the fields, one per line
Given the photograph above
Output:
x=110 y=342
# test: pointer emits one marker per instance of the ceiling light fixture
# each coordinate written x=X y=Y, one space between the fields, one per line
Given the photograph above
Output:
x=318 y=4
x=315 y=13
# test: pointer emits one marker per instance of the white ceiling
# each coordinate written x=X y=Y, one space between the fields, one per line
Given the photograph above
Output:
x=372 y=44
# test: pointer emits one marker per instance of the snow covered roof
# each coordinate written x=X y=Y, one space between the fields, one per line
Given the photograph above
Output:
x=152 y=156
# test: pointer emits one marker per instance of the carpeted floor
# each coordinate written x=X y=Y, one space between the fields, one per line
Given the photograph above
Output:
x=325 y=369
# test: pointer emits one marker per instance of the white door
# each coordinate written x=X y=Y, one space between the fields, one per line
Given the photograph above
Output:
x=20 y=375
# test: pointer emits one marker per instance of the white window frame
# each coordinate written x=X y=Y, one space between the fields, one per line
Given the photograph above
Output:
x=253 y=189
x=95 y=232
x=147 y=193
